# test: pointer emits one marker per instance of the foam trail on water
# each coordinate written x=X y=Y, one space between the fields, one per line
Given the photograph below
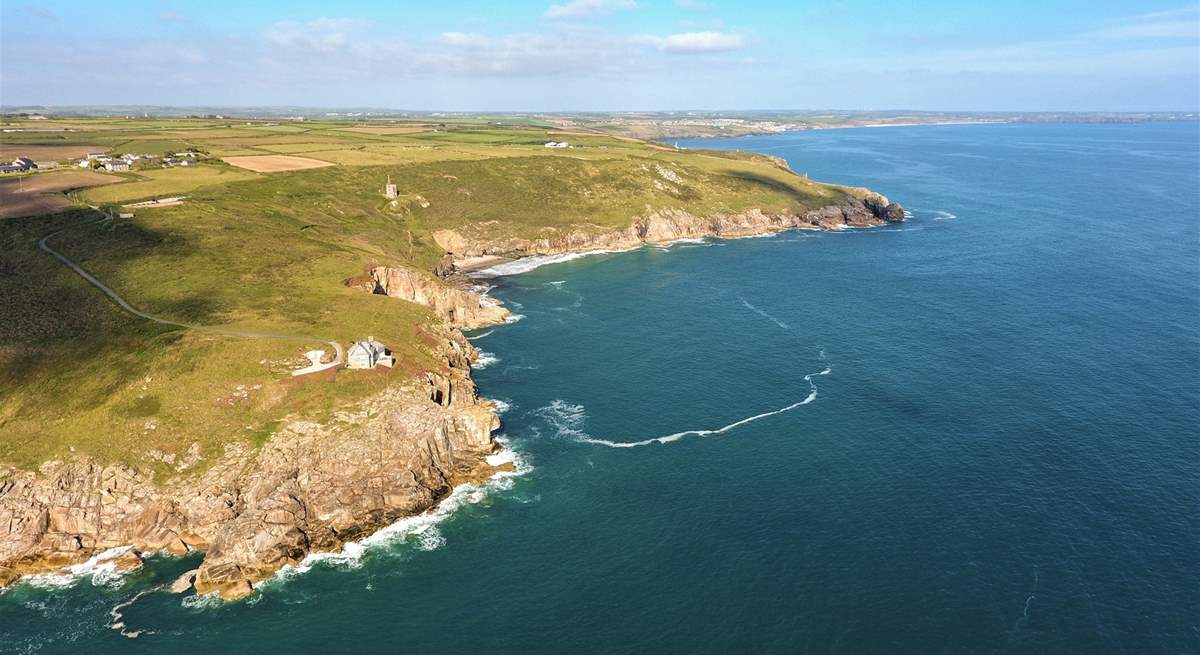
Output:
x=480 y=336
x=943 y=216
x=671 y=438
x=764 y=314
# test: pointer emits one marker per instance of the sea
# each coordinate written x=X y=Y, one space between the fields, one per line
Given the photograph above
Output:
x=974 y=432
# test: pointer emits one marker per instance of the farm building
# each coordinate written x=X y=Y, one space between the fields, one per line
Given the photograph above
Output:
x=369 y=353
x=557 y=144
x=116 y=165
x=389 y=189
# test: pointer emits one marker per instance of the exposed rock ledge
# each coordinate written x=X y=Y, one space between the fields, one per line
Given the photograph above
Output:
x=310 y=488
x=661 y=226
x=457 y=307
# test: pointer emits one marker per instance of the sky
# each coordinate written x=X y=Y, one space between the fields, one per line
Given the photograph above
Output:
x=605 y=55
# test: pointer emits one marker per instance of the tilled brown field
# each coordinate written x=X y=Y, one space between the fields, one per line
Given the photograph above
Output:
x=42 y=194
x=9 y=151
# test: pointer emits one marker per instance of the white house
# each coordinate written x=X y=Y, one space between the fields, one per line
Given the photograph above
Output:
x=369 y=353
x=557 y=144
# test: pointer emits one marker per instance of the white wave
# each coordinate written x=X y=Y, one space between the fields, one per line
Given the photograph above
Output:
x=101 y=568
x=764 y=314
x=765 y=235
x=484 y=360
x=513 y=318
x=526 y=264
x=671 y=438
x=556 y=283
x=907 y=214
x=500 y=407
x=480 y=336
x=684 y=240
x=943 y=216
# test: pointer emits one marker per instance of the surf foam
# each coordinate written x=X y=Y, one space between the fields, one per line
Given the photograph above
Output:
x=526 y=264
x=484 y=360
x=671 y=438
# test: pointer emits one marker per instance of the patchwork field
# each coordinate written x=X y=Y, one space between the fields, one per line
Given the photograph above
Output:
x=387 y=129
x=165 y=182
x=47 y=152
x=275 y=163
x=31 y=195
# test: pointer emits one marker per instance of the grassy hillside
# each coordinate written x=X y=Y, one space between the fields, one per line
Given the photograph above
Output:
x=269 y=252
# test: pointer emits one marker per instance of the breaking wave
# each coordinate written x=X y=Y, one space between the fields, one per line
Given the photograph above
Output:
x=101 y=568
x=943 y=216
x=484 y=360
x=480 y=336
x=526 y=264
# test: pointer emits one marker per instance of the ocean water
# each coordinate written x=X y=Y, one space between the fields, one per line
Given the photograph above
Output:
x=976 y=432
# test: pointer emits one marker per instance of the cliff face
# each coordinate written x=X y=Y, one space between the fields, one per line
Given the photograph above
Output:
x=456 y=306
x=311 y=488
x=669 y=225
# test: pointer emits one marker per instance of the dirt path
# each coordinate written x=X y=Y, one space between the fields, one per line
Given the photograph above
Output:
x=123 y=304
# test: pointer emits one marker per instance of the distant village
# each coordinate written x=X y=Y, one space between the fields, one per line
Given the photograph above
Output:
x=105 y=162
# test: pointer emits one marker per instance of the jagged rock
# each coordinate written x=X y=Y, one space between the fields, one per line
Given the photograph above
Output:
x=456 y=306
x=128 y=561
x=183 y=582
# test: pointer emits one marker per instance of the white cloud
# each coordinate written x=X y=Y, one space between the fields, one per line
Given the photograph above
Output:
x=465 y=39
x=693 y=5
x=693 y=42
x=321 y=34
x=586 y=8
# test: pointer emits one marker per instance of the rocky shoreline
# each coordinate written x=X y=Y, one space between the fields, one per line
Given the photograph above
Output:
x=472 y=248
x=311 y=488
x=316 y=487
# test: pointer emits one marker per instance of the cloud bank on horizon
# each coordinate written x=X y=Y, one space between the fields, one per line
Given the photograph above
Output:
x=605 y=55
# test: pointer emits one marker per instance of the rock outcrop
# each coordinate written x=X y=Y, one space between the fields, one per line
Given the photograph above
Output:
x=457 y=307
x=312 y=487
x=669 y=225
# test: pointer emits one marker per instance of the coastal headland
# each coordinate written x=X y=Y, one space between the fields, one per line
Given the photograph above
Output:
x=121 y=436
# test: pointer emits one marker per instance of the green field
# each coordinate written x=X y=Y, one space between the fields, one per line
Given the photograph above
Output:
x=272 y=252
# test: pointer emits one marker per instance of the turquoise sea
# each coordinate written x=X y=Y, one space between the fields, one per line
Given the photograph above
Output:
x=976 y=432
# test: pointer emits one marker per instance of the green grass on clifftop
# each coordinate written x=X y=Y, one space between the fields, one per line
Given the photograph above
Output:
x=270 y=252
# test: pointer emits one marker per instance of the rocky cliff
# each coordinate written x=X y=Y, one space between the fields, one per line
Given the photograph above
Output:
x=312 y=487
x=668 y=225
x=456 y=306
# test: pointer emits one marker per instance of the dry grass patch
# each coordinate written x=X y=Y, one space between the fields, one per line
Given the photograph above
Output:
x=275 y=163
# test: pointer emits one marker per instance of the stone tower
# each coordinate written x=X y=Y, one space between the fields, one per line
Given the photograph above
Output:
x=390 y=189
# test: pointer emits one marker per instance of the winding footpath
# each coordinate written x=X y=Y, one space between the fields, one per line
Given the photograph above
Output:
x=340 y=354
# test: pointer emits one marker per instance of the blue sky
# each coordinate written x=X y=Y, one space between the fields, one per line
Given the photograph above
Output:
x=605 y=55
